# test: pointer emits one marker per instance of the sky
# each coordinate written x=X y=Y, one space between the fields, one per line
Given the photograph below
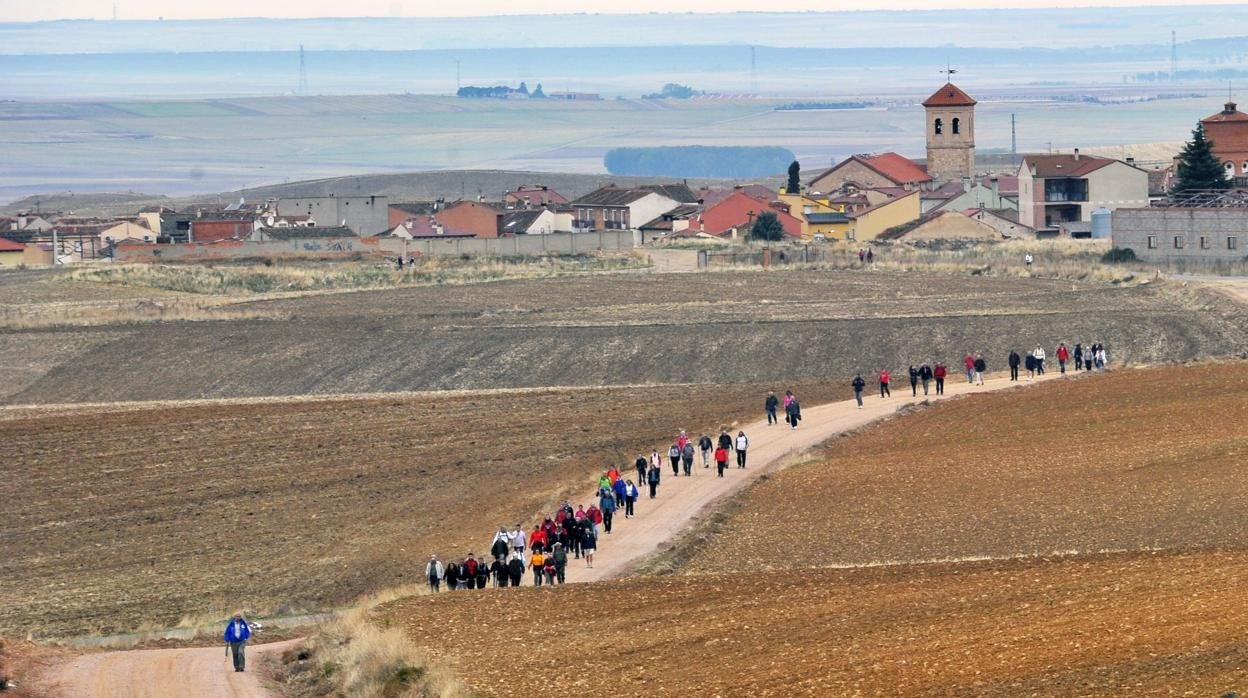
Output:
x=28 y=11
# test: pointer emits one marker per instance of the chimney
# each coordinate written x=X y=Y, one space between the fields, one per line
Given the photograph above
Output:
x=1076 y=154
x=1131 y=161
x=1229 y=108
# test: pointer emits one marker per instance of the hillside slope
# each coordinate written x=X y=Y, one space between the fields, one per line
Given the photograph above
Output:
x=621 y=329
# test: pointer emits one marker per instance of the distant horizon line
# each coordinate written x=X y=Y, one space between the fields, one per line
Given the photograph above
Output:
x=900 y=10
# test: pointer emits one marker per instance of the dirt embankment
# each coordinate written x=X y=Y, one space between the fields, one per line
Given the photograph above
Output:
x=701 y=328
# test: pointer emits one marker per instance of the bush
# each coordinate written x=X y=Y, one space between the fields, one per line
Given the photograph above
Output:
x=1119 y=255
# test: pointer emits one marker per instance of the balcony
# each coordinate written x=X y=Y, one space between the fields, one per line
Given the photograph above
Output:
x=1065 y=190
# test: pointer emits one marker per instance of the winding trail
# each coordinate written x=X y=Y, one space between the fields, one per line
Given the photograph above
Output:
x=203 y=672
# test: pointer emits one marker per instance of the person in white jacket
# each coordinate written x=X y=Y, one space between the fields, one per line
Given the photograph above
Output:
x=742 y=444
x=1038 y=355
x=434 y=572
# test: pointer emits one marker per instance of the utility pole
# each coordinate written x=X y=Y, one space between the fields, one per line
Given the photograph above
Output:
x=1013 y=141
x=303 y=73
x=457 y=82
x=1174 y=54
x=753 y=73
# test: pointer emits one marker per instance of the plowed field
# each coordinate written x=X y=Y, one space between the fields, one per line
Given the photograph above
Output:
x=1135 y=624
x=118 y=517
x=1132 y=460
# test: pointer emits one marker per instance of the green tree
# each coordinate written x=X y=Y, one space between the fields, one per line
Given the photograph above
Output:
x=1197 y=167
x=767 y=227
x=795 y=179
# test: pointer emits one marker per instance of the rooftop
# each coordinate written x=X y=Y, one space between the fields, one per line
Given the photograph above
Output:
x=1074 y=165
x=1228 y=113
x=949 y=96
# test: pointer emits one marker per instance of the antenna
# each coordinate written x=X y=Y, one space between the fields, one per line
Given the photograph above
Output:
x=1174 y=54
x=1013 y=141
x=303 y=73
x=457 y=83
x=949 y=70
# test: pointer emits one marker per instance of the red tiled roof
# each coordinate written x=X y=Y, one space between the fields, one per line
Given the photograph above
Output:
x=1064 y=165
x=1228 y=113
x=7 y=245
x=898 y=168
x=949 y=96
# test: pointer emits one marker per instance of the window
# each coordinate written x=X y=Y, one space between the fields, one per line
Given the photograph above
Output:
x=1178 y=242
x=1204 y=242
x=1230 y=168
x=940 y=127
x=1232 y=242
x=1243 y=170
x=1152 y=242
x=957 y=126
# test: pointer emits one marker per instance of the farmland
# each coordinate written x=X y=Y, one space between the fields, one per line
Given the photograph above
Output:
x=816 y=582
x=135 y=516
x=723 y=327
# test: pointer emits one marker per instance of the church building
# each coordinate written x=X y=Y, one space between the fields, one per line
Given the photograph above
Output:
x=950 y=116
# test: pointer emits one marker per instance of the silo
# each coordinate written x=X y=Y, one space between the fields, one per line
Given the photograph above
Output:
x=1101 y=220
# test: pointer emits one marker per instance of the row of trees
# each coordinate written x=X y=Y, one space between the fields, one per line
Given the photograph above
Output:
x=500 y=92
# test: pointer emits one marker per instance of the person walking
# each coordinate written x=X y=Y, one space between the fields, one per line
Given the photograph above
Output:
x=501 y=545
x=884 y=379
x=467 y=575
x=1031 y=367
x=939 y=373
x=870 y=256
x=725 y=441
x=721 y=460
x=925 y=375
x=686 y=458
x=1088 y=357
x=743 y=444
x=450 y=577
x=793 y=412
x=673 y=456
x=518 y=540
x=559 y=555
x=640 y=466
x=630 y=499
x=589 y=544
x=1078 y=357
x=969 y=362
x=1038 y=353
x=914 y=381
x=498 y=568
x=434 y=572
x=537 y=561
x=619 y=490
x=681 y=439
x=515 y=569
x=859 y=385
x=652 y=478
x=606 y=510
x=980 y=367
x=1063 y=355
x=236 y=634
x=1102 y=358
x=705 y=444
x=770 y=405
x=1014 y=361
x=483 y=574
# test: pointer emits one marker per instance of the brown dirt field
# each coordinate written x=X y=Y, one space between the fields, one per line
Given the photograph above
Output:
x=741 y=326
x=1131 y=460
x=1136 y=624
x=130 y=517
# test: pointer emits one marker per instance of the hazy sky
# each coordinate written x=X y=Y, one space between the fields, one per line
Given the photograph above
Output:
x=33 y=10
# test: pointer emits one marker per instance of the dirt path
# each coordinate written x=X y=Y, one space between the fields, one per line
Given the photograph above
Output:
x=683 y=500
x=196 y=672
x=204 y=672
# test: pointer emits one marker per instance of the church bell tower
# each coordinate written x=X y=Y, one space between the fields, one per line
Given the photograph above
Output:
x=950 y=114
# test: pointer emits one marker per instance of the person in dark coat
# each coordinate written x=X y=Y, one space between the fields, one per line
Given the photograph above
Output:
x=925 y=375
x=1014 y=360
x=515 y=569
x=499 y=569
x=725 y=441
x=686 y=458
x=640 y=464
x=793 y=413
x=483 y=574
x=859 y=385
x=652 y=478
x=914 y=381
x=606 y=505
x=560 y=557
x=770 y=406
x=450 y=576
x=673 y=455
x=980 y=367
x=1031 y=366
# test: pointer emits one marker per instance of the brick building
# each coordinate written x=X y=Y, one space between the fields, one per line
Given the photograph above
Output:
x=1205 y=227
x=1228 y=135
x=950 y=134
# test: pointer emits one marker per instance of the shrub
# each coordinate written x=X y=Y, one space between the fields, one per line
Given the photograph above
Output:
x=1119 y=255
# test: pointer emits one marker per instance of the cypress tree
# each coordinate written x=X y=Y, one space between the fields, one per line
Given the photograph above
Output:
x=1197 y=166
x=795 y=179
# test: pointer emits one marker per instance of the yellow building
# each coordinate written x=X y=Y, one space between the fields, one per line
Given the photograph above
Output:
x=819 y=216
x=11 y=253
x=869 y=223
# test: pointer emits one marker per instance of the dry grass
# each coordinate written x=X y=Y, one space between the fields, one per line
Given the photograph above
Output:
x=351 y=655
x=115 y=312
x=269 y=278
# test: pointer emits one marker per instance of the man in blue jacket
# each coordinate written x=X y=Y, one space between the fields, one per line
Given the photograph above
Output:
x=236 y=634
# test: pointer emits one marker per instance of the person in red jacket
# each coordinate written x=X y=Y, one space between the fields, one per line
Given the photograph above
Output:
x=884 y=378
x=969 y=361
x=939 y=373
x=613 y=474
x=594 y=514
x=537 y=538
x=1063 y=355
x=721 y=460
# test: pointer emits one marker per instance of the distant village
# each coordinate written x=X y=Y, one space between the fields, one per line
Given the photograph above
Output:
x=864 y=198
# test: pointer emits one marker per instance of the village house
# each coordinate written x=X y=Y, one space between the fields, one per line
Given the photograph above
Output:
x=1057 y=189
x=537 y=221
x=1004 y=221
x=482 y=219
x=12 y=253
x=733 y=217
x=1203 y=227
x=422 y=227
x=401 y=211
x=1228 y=139
x=870 y=172
x=951 y=225
x=619 y=208
x=869 y=223
x=366 y=215
x=531 y=196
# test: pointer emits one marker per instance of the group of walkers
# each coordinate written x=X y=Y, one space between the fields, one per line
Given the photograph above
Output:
x=574 y=534
x=1093 y=356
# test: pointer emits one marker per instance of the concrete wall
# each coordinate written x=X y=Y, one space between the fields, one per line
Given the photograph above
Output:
x=366 y=215
x=320 y=248
x=1116 y=185
x=1132 y=228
